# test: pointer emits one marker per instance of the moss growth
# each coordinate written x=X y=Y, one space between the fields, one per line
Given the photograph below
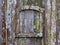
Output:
x=36 y=22
x=42 y=42
x=32 y=2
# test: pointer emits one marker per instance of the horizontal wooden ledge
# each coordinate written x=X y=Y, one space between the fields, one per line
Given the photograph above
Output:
x=27 y=35
x=36 y=8
x=28 y=10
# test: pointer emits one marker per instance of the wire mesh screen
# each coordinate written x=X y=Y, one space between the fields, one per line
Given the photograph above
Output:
x=29 y=22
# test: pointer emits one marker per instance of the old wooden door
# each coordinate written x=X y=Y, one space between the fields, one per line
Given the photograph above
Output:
x=29 y=28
